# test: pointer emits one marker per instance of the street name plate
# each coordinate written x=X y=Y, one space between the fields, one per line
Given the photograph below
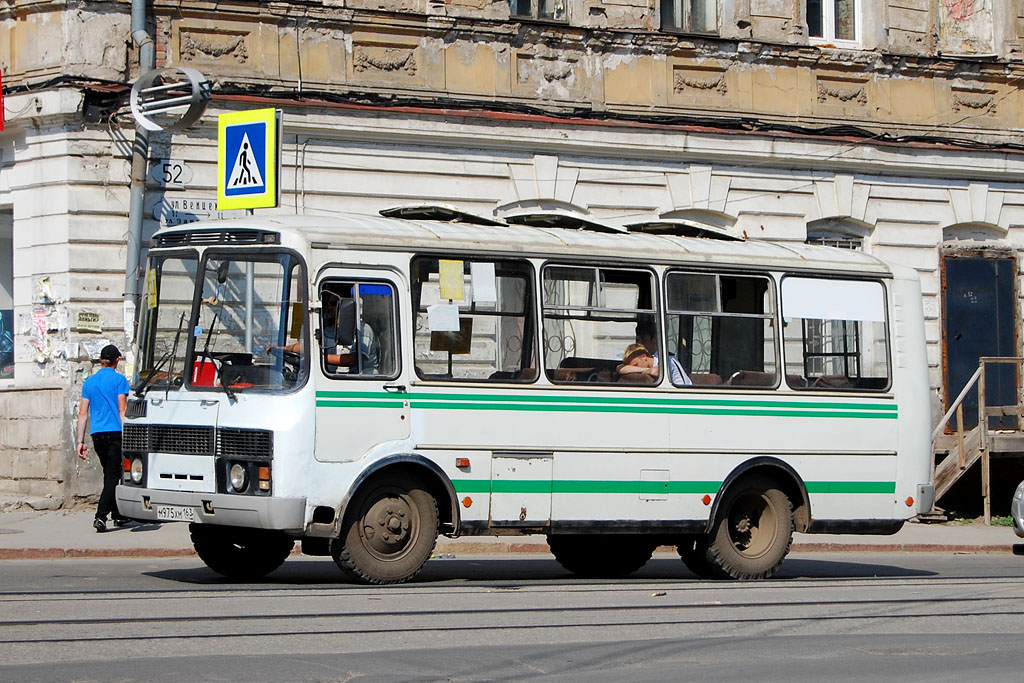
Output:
x=181 y=210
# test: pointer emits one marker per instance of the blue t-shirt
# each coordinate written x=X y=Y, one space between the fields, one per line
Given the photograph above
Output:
x=102 y=390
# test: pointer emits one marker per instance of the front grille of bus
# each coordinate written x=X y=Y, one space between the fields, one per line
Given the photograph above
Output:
x=186 y=238
x=168 y=439
x=226 y=442
x=245 y=443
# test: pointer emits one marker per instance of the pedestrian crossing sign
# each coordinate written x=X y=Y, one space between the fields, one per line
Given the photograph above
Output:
x=248 y=158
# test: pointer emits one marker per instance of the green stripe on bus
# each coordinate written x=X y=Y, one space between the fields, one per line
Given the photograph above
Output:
x=850 y=486
x=360 y=404
x=634 y=400
x=638 y=487
x=603 y=404
x=756 y=412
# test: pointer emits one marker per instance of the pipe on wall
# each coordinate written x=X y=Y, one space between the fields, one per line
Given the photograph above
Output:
x=140 y=167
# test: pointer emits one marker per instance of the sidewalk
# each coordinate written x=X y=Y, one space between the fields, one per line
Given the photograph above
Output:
x=32 y=534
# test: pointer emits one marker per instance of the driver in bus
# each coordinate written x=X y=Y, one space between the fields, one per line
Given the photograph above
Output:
x=333 y=358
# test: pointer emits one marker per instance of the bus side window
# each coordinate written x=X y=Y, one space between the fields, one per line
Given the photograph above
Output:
x=473 y=319
x=722 y=328
x=357 y=330
x=591 y=316
x=835 y=334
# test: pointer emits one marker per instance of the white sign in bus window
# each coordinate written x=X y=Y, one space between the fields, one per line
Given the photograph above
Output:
x=832 y=299
x=484 y=288
x=443 y=318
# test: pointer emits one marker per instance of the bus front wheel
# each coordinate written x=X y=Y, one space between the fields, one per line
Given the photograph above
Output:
x=752 y=532
x=389 y=531
x=240 y=553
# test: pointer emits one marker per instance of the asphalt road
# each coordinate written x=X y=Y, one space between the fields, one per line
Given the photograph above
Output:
x=878 y=617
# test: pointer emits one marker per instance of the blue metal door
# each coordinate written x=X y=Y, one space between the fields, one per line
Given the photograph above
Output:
x=978 y=320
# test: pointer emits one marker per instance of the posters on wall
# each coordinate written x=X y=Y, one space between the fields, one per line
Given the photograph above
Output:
x=965 y=27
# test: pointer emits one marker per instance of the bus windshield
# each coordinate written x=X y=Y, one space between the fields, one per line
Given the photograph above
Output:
x=229 y=322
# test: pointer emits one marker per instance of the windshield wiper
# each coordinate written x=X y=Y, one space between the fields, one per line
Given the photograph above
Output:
x=143 y=386
x=174 y=351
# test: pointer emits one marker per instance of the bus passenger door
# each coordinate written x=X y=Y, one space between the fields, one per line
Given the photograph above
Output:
x=521 y=489
x=361 y=399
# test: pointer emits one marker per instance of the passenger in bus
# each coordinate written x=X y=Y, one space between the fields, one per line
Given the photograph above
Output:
x=647 y=335
x=637 y=366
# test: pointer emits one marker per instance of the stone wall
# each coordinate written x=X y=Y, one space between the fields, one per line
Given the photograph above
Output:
x=32 y=440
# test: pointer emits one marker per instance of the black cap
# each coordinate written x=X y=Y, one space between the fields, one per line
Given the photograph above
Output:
x=110 y=353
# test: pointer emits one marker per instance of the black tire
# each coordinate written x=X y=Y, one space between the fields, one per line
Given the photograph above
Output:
x=753 y=530
x=388 y=533
x=601 y=556
x=239 y=553
x=694 y=553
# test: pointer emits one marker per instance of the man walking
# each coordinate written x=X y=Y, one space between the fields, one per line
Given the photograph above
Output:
x=104 y=400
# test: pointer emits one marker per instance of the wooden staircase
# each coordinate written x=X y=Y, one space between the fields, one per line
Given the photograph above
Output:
x=966 y=448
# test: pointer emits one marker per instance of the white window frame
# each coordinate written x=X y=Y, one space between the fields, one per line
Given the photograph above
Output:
x=828 y=25
x=684 y=16
x=535 y=14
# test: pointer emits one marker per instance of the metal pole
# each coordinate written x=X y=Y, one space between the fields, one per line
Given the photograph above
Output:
x=140 y=167
x=250 y=287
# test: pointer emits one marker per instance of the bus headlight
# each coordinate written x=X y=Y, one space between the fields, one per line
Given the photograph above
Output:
x=239 y=477
x=137 y=470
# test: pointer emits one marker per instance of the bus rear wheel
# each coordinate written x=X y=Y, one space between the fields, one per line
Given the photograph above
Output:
x=240 y=553
x=388 y=533
x=752 y=532
x=601 y=556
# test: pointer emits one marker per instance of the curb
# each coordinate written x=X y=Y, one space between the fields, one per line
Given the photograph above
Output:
x=90 y=553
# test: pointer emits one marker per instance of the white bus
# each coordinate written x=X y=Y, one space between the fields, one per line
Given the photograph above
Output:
x=365 y=383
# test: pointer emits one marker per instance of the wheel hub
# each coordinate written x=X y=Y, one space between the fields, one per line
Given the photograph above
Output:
x=751 y=526
x=387 y=526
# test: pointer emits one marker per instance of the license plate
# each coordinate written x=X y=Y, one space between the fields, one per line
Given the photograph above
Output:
x=175 y=513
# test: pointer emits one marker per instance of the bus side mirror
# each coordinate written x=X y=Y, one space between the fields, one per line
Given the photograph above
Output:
x=345 y=327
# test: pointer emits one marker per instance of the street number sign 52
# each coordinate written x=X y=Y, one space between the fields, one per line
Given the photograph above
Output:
x=170 y=173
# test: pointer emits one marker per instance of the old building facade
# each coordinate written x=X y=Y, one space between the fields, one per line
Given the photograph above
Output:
x=892 y=126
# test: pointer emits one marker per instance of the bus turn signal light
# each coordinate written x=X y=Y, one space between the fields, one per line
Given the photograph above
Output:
x=467 y=501
x=462 y=463
x=910 y=501
x=263 y=474
x=706 y=499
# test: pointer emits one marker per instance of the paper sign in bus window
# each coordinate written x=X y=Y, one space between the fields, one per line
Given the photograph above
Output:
x=450 y=274
x=484 y=287
x=443 y=318
x=456 y=343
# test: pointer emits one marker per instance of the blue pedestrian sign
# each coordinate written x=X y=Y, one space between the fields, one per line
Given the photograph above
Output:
x=247 y=161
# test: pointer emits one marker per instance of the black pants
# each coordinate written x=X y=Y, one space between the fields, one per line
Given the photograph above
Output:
x=108 y=448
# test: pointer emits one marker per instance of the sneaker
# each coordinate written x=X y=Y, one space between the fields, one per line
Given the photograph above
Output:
x=99 y=525
x=122 y=521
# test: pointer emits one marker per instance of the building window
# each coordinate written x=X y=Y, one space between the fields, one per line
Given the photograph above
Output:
x=833 y=20
x=6 y=294
x=552 y=10
x=696 y=16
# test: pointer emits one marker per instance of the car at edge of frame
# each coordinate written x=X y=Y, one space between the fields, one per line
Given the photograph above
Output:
x=1017 y=510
